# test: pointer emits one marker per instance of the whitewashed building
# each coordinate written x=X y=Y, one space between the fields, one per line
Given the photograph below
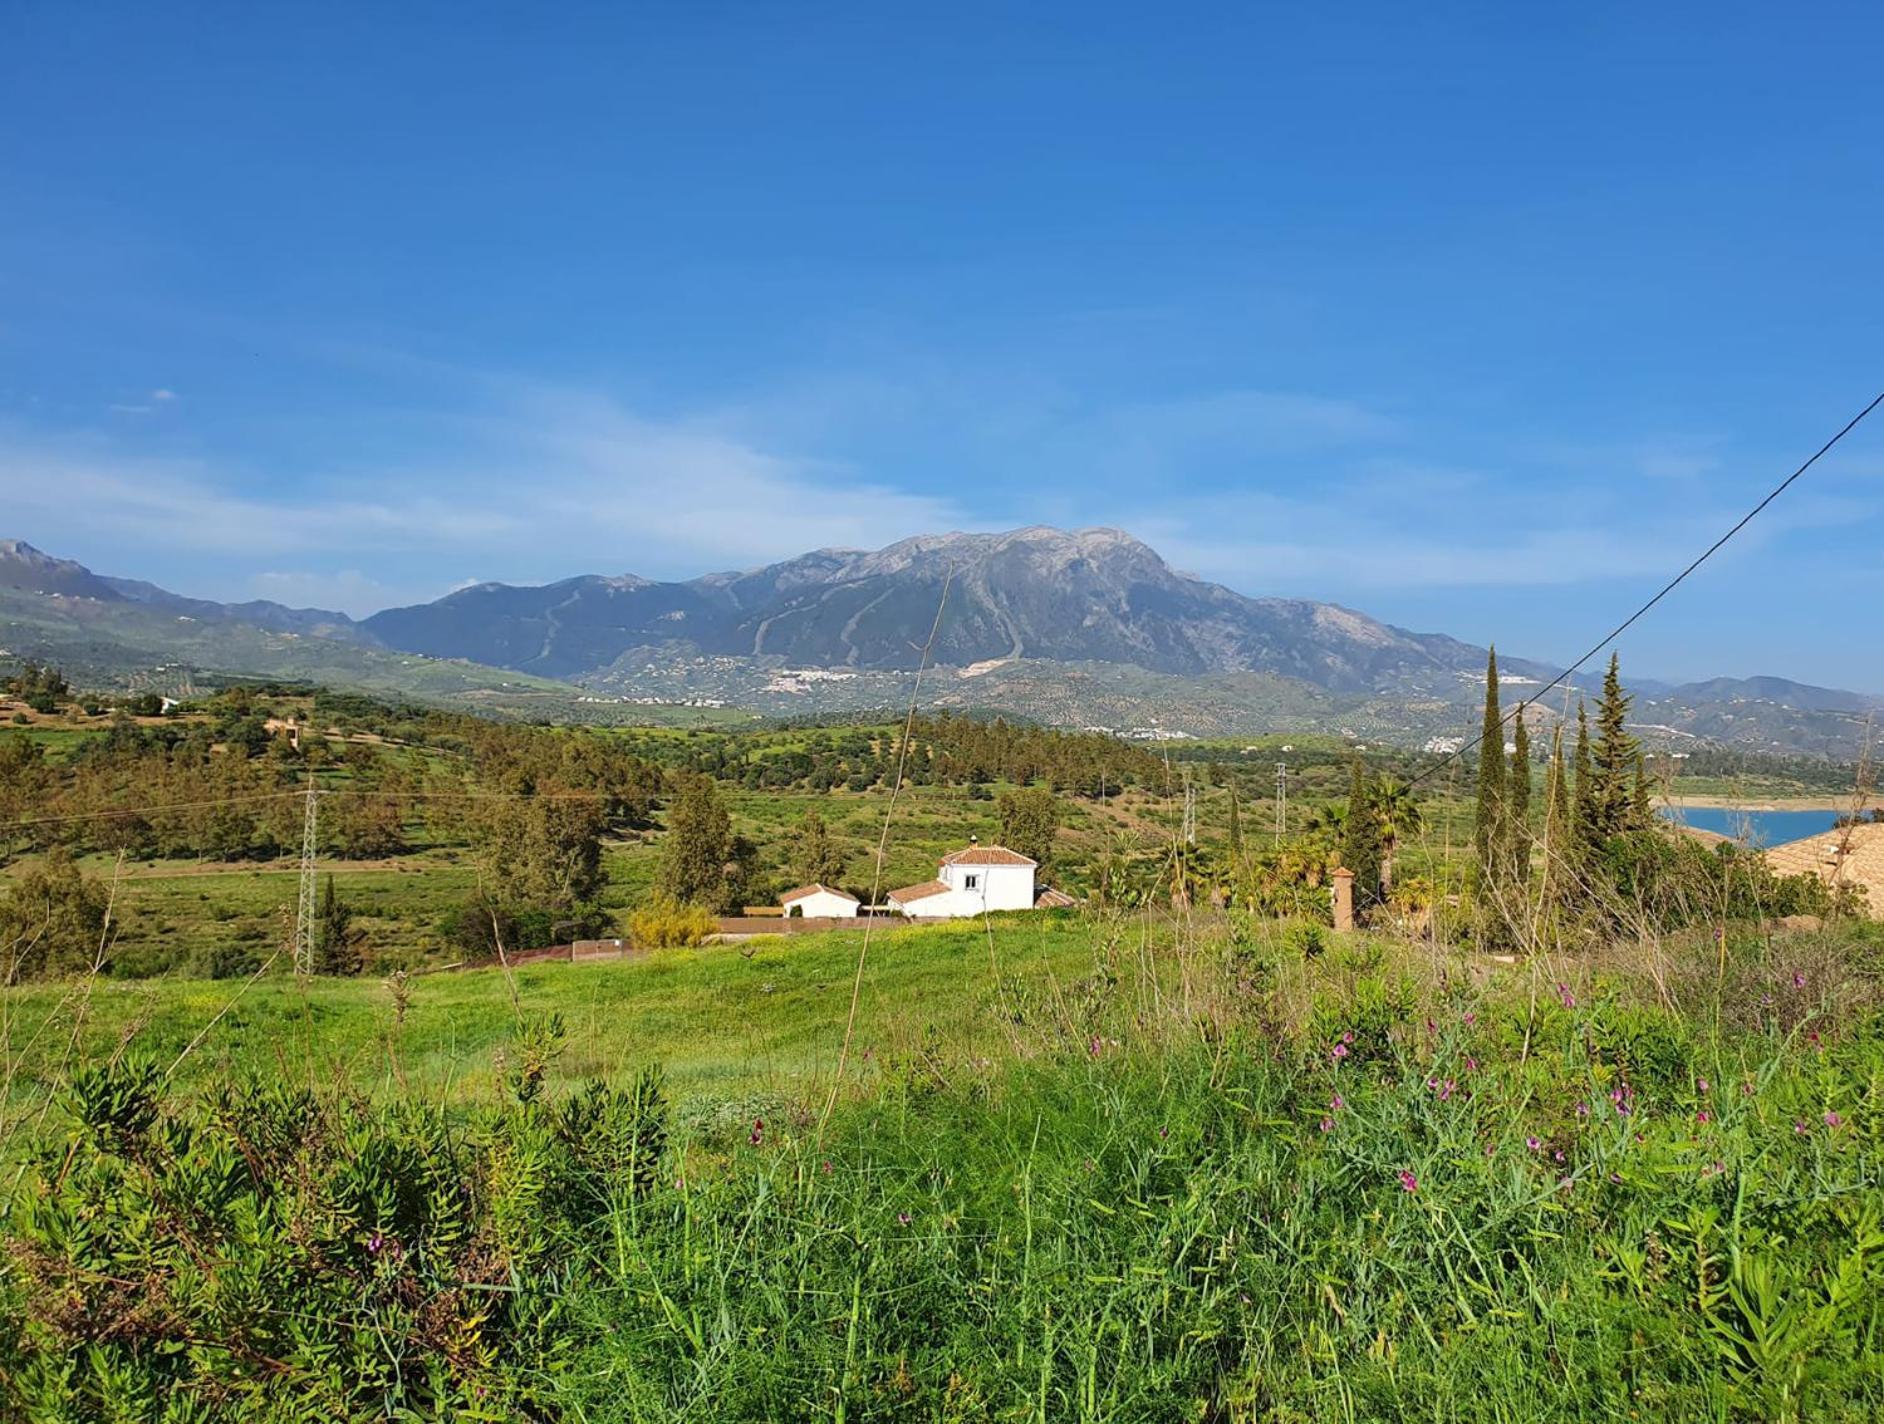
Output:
x=816 y=901
x=974 y=881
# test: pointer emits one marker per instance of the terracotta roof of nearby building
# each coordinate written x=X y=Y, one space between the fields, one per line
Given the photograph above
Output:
x=815 y=889
x=1851 y=855
x=917 y=892
x=1051 y=899
x=986 y=855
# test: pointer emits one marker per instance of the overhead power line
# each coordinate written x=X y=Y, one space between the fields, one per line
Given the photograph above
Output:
x=1660 y=594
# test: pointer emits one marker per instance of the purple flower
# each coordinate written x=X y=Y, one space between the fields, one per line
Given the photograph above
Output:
x=1533 y=1144
x=1327 y=1124
x=757 y=1134
x=1565 y=997
x=1338 y=1052
x=1337 y=1102
x=825 y=1166
x=902 y=1218
x=1704 y=1117
x=1408 y=1182
x=1701 y=1086
x=1163 y=1133
x=1583 y=1109
x=1471 y=1064
x=1557 y=1156
x=1798 y=979
x=1470 y=1019
x=374 y=1244
x=1446 y=1092
x=1799 y=1126
x=1832 y=1119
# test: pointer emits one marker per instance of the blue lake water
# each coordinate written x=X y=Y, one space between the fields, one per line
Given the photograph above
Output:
x=1767 y=828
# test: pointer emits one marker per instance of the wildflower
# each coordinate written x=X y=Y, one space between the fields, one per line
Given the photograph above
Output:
x=374 y=1244
x=1704 y=1117
x=1746 y=1089
x=1798 y=979
x=1094 y=1046
x=1431 y=1027
x=1533 y=1143
x=1327 y=1124
x=1701 y=1086
x=1446 y=1092
x=1471 y=1064
x=1714 y=1169
x=1348 y=1037
x=1565 y=1184
x=1408 y=1182
x=1799 y=1126
x=1337 y=1102
x=1583 y=1109
x=1470 y=1019
x=825 y=1166
x=1163 y=1133
x=1558 y=1156
x=1832 y=1119
x=1338 y=1052
x=1565 y=997
x=758 y=1131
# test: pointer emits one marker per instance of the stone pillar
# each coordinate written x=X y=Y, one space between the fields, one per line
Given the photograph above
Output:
x=1343 y=898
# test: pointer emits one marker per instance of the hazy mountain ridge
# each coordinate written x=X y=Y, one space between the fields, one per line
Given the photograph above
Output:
x=1084 y=628
x=1094 y=595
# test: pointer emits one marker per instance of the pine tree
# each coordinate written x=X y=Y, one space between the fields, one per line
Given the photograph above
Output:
x=1361 y=847
x=1518 y=807
x=1488 y=830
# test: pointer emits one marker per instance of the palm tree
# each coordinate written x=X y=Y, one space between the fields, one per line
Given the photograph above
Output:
x=1399 y=816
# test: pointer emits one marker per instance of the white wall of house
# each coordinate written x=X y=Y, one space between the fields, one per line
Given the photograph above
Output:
x=989 y=887
x=950 y=905
x=822 y=903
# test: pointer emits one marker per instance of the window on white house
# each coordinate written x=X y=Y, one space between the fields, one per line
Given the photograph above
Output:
x=971 y=882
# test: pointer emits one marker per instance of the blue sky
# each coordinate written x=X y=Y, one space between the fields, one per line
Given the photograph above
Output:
x=1479 y=318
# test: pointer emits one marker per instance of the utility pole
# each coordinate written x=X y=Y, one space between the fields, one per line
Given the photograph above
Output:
x=304 y=912
x=1190 y=810
x=1282 y=800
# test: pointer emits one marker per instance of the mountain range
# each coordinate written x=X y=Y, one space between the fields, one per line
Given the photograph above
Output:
x=1088 y=626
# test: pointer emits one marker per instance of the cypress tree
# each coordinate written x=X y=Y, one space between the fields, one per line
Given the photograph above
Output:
x=1488 y=830
x=1559 y=828
x=1585 y=816
x=1518 y=806
x=1615 y=756
x=1361 y=839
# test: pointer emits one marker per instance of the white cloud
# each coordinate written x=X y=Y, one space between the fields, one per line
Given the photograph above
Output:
x=163 y=394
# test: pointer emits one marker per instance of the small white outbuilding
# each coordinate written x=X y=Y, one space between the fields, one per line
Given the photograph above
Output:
x=815 y=902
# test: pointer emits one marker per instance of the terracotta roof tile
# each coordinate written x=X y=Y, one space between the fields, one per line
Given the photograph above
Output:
x=917 y=892
x=986 y=855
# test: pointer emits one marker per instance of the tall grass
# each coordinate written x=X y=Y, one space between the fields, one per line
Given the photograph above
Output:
x=1207 y=1179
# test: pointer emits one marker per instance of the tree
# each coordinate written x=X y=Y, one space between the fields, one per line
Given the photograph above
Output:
x=816 y=858
x=1361 y=839
x=541 y=853
x=1029 y=819
x=699 y=845
x=1488 y=832
x=1518 y=809
x=336 y=938
x=1615 y=757
x=1236 y=829
x=1559 y=830
x=1400 y=817
x=52 y=920
x=1585 y=806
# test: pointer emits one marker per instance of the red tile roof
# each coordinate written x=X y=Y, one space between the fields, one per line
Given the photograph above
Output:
x=1051 y=899
x=917 y=892
x=813 y=889
x=986 y=855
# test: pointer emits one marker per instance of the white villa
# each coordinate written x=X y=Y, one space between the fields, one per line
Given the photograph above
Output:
x=974 y=881
x=816 y=901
